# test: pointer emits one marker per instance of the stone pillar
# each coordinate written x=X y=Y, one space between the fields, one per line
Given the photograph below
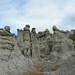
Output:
x=20 y=36
x=7 y=28
x=26 y=41
x=34 y=44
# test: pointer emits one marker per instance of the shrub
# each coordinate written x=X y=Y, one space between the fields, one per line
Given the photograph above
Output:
x=54 y=66
x=72 y=36
x=37 y=70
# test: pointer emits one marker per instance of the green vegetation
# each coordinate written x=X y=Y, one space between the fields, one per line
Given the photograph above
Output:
x=72 y=36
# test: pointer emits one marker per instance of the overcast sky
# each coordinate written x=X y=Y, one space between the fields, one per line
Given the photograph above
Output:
x=41 y=14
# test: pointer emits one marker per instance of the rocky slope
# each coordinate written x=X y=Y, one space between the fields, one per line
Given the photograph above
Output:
x=22 y=52
x=66 y=69
x=11 y=58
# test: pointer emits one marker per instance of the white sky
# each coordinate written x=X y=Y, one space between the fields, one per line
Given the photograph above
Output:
x=41 y=14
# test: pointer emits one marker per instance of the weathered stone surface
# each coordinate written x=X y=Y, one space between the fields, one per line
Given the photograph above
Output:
x=26 y=28
x=7 y=28
x=11 y=58
x=19 y=52
x=63 y=46
x=44 y=43
x=67 y=69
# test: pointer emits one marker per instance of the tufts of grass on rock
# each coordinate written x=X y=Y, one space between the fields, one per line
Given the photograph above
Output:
x=37 y=70
x=54 y=66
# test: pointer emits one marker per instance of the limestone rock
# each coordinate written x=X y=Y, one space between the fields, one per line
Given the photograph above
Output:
x=21 y=52
x=26 y=28
x=11 y=59
x=7 y=28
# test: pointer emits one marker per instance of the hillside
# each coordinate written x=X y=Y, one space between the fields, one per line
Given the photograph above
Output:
x=30 y=51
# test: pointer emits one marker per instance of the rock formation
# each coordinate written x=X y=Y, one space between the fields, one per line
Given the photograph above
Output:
x=44 y=44
x=17 y=52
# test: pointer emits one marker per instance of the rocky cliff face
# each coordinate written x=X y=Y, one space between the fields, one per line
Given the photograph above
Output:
x=12 y=61
x=21 y=51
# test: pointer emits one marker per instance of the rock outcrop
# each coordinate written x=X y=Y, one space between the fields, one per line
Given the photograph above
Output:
x=21 y=51
x=11 y=59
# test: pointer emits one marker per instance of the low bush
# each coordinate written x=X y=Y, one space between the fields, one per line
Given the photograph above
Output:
x=72 y=36
x=54 y=66
x=37 y=70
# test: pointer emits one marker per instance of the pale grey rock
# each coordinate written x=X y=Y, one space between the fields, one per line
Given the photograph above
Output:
x=4 y=33
x=34 y=44
x=63 y=46
x=66 y=69
x=7 y=28
x=20 y=36
x=72 y=31
x=26 y=28
x=11 y=58
x=21 y=52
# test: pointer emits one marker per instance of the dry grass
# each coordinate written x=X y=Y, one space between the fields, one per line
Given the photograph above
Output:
x=54 y=66
x=37 y=70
